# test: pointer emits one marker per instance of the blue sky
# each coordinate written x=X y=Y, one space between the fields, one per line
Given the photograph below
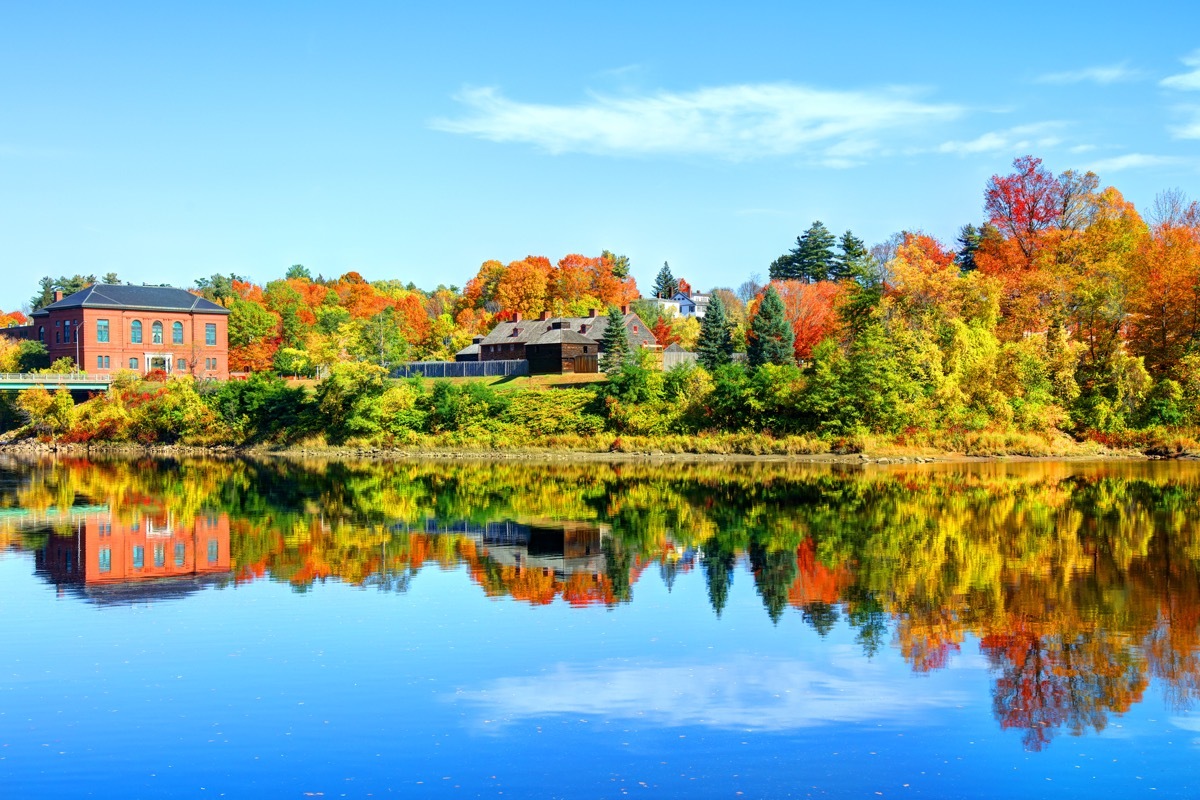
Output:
x=168 y=142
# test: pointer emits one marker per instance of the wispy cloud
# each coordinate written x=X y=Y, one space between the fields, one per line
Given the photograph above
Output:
x=1103 y=75
x=1133 y=161
x=773 y=695
x=1189 y=129
x=1022 y=137
x=1185 y=81
x=835 y=128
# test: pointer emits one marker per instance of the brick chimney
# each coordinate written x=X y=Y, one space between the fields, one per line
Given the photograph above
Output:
x=625 y=309
x=545 y=315
x=517 y=317
x=57 y=295
x=592 y=313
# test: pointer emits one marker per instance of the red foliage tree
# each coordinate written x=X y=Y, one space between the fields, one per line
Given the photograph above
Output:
x=1025 y=203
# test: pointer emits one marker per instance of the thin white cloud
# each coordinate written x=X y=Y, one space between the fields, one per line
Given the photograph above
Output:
x=1103 y=75
x=1189 y=129
x=1185 y=81
x=1133 y=161
x=1022 y=137
x=773 y=695
x=736 y=123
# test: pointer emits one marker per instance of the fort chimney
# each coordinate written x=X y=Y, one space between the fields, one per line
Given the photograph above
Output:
x=517 y=317
x=592 y=313
x=57 y=295
x=625 y=309
x=545 y=315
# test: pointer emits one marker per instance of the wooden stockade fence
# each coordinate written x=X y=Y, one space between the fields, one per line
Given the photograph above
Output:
x=461 y=369
x=675 y=358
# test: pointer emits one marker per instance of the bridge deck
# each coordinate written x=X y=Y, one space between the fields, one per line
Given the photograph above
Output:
x=75 y=381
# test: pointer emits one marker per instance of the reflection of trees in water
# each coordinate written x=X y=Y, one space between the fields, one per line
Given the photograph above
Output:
x=1080 y=581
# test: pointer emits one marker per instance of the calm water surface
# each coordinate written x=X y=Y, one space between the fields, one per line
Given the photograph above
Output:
x=232 y=629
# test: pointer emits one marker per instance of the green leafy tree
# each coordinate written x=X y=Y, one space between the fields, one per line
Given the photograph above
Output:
x=771 y=338
x=614 y=345
x=620 y=264
x=219 y=288
x=110 y=278
x=296 y=271
x=665 y=285
x=380 y=340
x=32 y=356
x=249 y=323
x=716 y=336
x=348 y=401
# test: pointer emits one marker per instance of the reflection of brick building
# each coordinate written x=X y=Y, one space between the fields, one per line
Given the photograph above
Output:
x=105 y=551
x=105 y=328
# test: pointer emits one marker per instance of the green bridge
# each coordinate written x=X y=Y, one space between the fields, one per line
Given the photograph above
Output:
x=75 y=381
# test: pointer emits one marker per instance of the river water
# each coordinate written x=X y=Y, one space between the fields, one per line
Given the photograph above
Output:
x=254 y=629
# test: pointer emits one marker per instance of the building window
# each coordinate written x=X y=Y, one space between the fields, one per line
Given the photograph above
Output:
x=41 y=333
x=180 y=554
x=101 y=330
x=135 y=331
x=212 y=551
x=160 y=555
x=133 y=363
x=156 y=333
x=106 y=559
x=58 y=337
x=99 y=362
x=210 y=333
x=139 y=556
x=107 y=363
x=67 y=331
x=180 y=364
x=176 y=333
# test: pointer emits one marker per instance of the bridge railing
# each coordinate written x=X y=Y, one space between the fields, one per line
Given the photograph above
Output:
x=53 y=377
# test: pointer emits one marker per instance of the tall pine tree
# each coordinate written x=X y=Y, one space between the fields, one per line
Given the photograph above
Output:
x=665 y=285
x=812 y=259
x=614 y=344
x=847 y=262
x=715 y=346
x=771 y=338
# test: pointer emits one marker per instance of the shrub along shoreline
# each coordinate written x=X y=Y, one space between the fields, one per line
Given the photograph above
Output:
x=732 y=412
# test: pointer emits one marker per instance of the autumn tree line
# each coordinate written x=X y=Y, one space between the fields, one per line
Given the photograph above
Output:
x=1064 y=311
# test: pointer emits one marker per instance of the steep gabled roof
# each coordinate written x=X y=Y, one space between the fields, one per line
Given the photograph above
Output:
x=527 y=331
x=121 y=296
x=560 y=336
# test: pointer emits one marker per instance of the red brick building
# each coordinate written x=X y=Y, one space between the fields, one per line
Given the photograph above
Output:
x=109 y=327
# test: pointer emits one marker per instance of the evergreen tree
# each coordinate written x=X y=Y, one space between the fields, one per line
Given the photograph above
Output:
x=614 y=344
x=812 y=259
x=969 y=238
x=771 y=338
x=665 y=285
x=716 y=337
x=845 y=264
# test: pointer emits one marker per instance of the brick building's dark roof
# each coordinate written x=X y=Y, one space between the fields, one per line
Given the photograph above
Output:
x=142 y=298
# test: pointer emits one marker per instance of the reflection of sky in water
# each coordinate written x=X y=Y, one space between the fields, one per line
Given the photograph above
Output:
x=256 y=691
x=764 y=694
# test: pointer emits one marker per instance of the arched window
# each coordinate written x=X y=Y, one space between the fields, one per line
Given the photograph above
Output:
x=135 y=331
x=176 y=333
x=41 y=333
x=156 y=333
